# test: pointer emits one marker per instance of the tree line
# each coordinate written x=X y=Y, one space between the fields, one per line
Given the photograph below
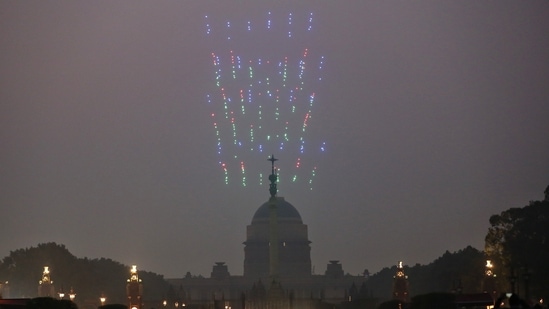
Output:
x=517 y=242
x=89 y=278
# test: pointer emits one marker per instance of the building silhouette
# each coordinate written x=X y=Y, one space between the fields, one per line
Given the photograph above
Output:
x=294 y=250
x=401 y=285
x=274 y=277
x=134 y=290
x=45 y=285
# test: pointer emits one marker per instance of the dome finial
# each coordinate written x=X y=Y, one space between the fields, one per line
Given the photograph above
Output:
x=272 y=177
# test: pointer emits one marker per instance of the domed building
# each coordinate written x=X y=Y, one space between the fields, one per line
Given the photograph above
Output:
x=294 y=250
x=283 y=270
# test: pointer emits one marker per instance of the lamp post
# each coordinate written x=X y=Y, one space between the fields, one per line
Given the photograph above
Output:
x=102 y=299
x=72 y=295
x=61 y=294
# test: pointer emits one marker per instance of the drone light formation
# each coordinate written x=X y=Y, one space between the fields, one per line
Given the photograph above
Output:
x=262 y=98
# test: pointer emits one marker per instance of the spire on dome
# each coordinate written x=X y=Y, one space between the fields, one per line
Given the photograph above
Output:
x=273 y=178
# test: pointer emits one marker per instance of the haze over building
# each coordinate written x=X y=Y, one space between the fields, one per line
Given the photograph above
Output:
x=272 y=275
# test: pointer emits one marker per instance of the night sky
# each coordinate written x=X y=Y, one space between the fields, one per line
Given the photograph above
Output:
x=434 y=115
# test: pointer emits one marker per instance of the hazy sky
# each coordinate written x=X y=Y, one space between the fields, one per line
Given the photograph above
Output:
x=435 y=116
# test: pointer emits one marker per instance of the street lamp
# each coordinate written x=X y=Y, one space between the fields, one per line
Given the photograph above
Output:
x=61 y=293
x=102 y=299
x=72 y=295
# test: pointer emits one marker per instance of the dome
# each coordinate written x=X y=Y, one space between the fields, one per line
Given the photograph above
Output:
x=285 y=211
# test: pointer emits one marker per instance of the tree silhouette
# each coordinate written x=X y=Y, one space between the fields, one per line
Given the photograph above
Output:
x=518 y=240
x=464 y=267
x=88 y=277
